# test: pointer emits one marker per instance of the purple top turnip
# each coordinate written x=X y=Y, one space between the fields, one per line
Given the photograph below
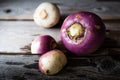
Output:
x=82 y=32
x=46 y=15
x=42 y=44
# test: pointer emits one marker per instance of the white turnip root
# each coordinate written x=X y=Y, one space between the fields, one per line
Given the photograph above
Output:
x=52 y=62
x=46 y=15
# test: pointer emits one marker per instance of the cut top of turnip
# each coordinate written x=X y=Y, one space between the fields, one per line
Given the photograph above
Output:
x=75 y=30
x=46 y=15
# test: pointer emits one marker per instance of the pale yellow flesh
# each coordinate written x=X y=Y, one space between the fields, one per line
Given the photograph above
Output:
x=75 y=30
x=43 y=14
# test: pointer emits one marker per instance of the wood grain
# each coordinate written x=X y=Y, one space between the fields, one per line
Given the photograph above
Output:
x=16 y=36
x=25 y=67
x=17 y=10
x=17 y=30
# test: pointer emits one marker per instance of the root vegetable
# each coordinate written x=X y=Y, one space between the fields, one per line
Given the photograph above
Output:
x=46 y=15
x=52 y=62
x=42 y=44
x=82 y=32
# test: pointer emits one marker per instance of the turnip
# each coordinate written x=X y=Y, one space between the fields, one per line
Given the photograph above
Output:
x=46 y=15
x=82 y=32
x=52 y=62
x=42 y=44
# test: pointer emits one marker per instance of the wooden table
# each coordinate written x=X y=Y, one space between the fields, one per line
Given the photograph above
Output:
x=17 y=30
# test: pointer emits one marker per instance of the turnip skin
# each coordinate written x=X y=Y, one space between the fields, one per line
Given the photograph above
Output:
x=93 y=35
x=46 y=15
x=52 y=62
x=42 y=44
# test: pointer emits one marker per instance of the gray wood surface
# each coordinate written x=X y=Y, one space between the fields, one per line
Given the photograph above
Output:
x=17 y=30
x=17 y=35
x=23 y=9
x=25 y=67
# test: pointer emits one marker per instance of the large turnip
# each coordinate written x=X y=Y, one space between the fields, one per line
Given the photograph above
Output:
x=82 y=32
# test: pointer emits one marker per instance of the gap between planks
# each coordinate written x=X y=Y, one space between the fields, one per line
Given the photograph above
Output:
x=105 y=19
x=98 y=53
x=17 y=10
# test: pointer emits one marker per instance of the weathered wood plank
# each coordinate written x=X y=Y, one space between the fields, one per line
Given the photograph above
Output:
x=16 y=36
x=17 y=10
x=19 y=34
x=25 y=67
x=16 y=63
x=109 y=0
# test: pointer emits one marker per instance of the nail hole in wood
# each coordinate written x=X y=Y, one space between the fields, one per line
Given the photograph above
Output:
x=7 y=10
x=99 y=9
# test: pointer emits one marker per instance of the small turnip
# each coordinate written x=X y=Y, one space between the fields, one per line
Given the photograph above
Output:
x=46 y=15
x=82 y=32
x=52 y=62
x=42 y=44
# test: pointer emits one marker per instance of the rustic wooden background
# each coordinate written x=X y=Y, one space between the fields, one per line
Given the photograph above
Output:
x=17 y=30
